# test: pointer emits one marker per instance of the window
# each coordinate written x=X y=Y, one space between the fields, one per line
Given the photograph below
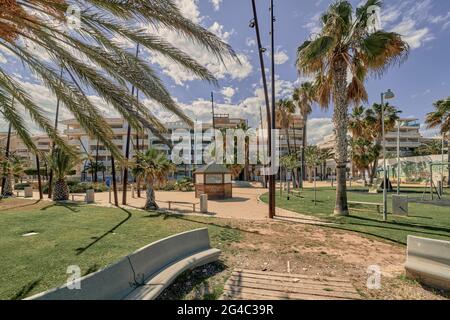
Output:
x=214 y=179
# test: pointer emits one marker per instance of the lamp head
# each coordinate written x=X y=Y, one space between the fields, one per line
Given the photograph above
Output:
x=389 y=94
x=252 y=23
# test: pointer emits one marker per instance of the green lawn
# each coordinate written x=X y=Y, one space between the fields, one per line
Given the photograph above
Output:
x=88 y=236
x=424 y=220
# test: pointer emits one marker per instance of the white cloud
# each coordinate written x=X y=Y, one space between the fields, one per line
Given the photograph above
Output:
x=228 y=93
x=230 y=68
x=415 y=37
x=3 y=59
x=314 y=24
x=189 y=9
x=281 y=57
x=216 y=4
x=318 y=129
x=250 y=42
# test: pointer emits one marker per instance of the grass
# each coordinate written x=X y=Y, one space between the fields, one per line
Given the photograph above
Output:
x=425 y=220
x=88 y=236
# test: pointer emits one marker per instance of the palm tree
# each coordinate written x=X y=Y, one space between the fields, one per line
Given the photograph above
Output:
x=440 y=118
x=429 y=148
x=93 y=61
x=346 y=46
x=284 y=117
x=373 y=119
x=61 y=163
x=13 y=170
x=153 y=167
x=304 y=97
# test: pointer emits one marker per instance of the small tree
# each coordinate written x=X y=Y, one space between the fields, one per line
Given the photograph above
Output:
x=61 y=163
x=152 y=167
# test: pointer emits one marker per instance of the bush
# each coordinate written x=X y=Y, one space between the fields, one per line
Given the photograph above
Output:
x=21 y=186
x=168 y=186
x=185 y=185
x=80 y=187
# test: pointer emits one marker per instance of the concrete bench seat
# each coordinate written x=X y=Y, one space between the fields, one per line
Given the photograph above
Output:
x=378 y=205
x=152 y=288
x=143 y=274
x=183 y=203
x=428 y=261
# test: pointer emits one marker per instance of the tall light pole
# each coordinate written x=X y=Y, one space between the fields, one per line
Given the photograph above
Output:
x=385 y=95
x=398 y=157
x=254 y=24
x=272 y=127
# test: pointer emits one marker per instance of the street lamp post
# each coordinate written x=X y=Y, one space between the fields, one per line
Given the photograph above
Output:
x=398 y=157
x=385 y=95
x=254 y=24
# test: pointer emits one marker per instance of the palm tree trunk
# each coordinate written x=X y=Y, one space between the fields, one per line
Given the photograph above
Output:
x=8 y=189
x=38 y=166
x=448 y=163
x=304 y=144
x=8 y=143
x=127 y=149
x=150 y=204
x=96 y=164
x=113 y=173
x=61 y=191
x=340 y=120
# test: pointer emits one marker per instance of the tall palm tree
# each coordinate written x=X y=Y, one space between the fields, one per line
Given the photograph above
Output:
x=440 y=118
x=94 y=62
x=152 y=166
x=304 y=96
x=373 y=119
x=13 y=169
x=346 y=46
x=61 y=163
x=429 y=148
x=284 y=117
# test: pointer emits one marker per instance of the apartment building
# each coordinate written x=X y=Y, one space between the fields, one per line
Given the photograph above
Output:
x=18 y=148
x=407 y=130
x=295 y=134
x=89 y=146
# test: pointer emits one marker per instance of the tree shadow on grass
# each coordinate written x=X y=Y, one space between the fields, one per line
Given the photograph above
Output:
x=25 y=290
x=72 y=206
x=21 y=206
x=81 y=250
x=166 y=216
x=413 y=226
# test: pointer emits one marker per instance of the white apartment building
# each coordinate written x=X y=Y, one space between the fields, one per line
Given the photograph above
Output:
x=18 y=148
x=88 y=145
x=295 y=133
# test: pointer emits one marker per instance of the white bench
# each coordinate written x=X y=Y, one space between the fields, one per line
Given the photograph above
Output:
x=428 y=261
x=144 y=274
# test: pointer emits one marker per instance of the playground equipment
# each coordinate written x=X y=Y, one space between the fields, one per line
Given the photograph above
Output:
x=433 y=187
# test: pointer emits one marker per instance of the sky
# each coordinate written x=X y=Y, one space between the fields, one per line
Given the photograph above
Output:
x=421 y=80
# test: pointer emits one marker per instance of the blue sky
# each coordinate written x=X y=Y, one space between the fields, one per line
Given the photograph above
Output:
x=423 y=79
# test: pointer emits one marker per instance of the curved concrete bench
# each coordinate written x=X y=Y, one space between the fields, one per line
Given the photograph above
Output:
x=428 y=261
x=144 y=274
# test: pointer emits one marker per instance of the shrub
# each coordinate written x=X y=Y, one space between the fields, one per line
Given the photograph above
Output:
x=21 y=186
x=185 y=185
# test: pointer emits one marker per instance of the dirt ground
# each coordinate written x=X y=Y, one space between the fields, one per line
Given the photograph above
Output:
x=310 y=250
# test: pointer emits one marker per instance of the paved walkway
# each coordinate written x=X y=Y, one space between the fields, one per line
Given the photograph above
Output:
x=245 y=204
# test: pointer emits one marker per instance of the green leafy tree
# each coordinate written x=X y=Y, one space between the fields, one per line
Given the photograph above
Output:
x=347 y=46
